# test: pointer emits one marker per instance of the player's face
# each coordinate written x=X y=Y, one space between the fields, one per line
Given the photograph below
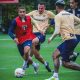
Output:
x=73 y=4
x=21 y=12
x=41 y=8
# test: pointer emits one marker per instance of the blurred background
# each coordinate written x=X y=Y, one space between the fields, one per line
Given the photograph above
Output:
x=8 y=11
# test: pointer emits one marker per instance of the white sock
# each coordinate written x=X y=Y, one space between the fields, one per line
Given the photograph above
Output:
x=45 y=63
x=74 y=53
x=25 y=65
x=55 y=74
x=25 y=62
x=34 y=64
x=60 y=62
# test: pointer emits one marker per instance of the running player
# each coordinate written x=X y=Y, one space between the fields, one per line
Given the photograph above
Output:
x=74 y=8
x=64 y=25
x=21 y=32
x=41 y=16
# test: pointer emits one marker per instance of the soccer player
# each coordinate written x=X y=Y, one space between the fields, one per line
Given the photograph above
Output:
x=21 y=32
x=74 y=8
x=41 y=16
x=64 y=26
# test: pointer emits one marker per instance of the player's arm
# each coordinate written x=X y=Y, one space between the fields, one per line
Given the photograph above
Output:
x=57 y=29
x=51 y=15
x=11 y=31
x=77 y=19
x=30 y=13
x=36 y=25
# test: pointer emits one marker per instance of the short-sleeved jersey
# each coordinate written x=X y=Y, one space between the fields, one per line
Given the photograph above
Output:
x=65 y=21
x=76 y=12
x=41 y=19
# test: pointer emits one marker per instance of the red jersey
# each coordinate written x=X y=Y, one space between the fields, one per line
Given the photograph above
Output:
x=24 y=30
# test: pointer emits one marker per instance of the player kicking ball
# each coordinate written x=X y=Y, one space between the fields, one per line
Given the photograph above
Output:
x=21 y=32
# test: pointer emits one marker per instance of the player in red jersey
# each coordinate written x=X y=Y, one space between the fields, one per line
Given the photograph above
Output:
x=21 y=32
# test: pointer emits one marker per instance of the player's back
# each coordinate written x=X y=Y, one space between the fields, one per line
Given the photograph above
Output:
x=66 y=20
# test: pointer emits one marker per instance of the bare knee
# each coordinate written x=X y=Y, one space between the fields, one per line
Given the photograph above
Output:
x=26 y=49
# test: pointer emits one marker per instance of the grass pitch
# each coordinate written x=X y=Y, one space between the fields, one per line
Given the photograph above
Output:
x=10 y=59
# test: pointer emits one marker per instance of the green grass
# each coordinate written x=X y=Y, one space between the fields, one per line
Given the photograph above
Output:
x=10 y=59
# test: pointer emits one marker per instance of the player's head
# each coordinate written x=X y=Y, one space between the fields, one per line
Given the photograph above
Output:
x=60 y=5
x=41 y=7
x=73 y=4
x=21 y=11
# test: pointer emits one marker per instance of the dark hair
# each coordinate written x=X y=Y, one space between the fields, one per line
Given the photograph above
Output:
x=41 y=3
x=60 y=5
x=21 y=7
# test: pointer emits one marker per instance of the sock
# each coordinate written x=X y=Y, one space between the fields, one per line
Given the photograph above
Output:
x=24 y=65
x=55 y=74
x=34 y=64
x=60 y=62
x=45 y=63
x=74 y=53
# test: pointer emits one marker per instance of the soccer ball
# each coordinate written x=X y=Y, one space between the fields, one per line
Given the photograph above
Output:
x=19 y=73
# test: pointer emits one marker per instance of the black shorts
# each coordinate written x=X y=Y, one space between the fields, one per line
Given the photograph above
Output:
x=41 y=39
x=66 y=49
x=21 y=46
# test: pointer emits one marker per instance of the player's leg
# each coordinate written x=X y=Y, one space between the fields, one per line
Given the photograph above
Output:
x=75 y=54
x=37 y=54
x=24 y=50
x=21 y=49
x=55 y=57
x=40 y=58
x=73 y=57
x=70 y=46
x=35 y=50
x=71 y=65
x=65 y=50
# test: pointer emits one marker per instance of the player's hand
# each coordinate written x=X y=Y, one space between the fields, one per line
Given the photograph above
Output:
x=16 y=40
x=49 y=40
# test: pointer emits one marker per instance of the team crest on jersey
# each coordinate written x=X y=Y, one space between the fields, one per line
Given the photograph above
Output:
x=24 y=27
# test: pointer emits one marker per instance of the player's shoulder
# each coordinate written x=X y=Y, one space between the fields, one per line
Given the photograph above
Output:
x=64 y=13
x=16 y=18
x=57 y=16
x=32 y=12
x=60 y=14
x=48 y=12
